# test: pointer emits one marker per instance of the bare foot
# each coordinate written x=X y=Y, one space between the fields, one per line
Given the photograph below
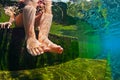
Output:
x=49 y=46
x=34 y=46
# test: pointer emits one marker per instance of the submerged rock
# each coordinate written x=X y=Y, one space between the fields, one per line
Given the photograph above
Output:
x=78 y=69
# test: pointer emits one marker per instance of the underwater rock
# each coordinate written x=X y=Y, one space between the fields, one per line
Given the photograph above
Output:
x=78 y=69
x=14 y=56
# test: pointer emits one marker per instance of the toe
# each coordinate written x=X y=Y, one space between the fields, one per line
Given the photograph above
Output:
x=40 y=50
x=34 y=53
x=37 y=51
x=61 y=50
x=31 y=52
x=46 y=49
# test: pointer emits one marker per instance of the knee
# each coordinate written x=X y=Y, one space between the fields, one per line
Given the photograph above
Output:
x=47 y=15
x=48 y=7
x=32 y=3
x=29 y=8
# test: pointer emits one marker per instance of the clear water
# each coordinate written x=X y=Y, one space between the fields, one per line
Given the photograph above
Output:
x=105 y=20
x=109 y=27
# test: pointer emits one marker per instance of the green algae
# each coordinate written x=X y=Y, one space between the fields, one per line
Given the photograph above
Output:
x=88 y=38
x=78 y=69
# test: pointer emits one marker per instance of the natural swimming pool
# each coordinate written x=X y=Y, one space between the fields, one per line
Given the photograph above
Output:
x=97 y=31
x=104 y=35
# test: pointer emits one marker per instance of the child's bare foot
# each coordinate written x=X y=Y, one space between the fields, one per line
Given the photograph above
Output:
x=34 y=47
x=49 y=46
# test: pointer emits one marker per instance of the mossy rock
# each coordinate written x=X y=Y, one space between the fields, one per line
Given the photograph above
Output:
x=78 y=69
x=14 y=56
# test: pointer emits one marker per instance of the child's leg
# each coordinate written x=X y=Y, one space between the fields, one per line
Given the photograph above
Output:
x=44 y=28
x=33 y=45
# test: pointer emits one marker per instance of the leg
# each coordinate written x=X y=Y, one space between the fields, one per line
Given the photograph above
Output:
x=19 y=20
x=33 y=45
x=44 y=27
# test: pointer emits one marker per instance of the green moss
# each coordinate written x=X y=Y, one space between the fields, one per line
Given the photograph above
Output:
x=3 y=17
x=78 y=69
x=80 y=30
x=88 y=38
x=59 y=29
x=15 y=53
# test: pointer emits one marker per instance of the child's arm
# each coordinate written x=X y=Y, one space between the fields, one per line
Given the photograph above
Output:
x=10 y=13
x=5 y=24
x=8 y=23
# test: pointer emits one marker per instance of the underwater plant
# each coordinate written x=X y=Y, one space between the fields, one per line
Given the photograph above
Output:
x=92 y=12
x=81 y=9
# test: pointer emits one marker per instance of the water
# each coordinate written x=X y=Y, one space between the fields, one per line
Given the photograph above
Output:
x=100 y=33
x=111 y=35
x=112 y=46
x=105 y=21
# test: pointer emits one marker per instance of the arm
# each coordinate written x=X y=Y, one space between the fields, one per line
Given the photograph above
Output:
x=10 y=13
x=7 y=24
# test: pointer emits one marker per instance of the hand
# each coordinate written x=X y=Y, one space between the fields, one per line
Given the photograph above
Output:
x=5 y=25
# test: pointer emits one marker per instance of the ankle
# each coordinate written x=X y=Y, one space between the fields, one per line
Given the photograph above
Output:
x=30 y=34
x=42 y=38
x=30 y=37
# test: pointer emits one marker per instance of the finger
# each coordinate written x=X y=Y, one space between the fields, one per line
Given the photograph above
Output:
x=1 y=25
x=4 y=25
x=9 y=25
